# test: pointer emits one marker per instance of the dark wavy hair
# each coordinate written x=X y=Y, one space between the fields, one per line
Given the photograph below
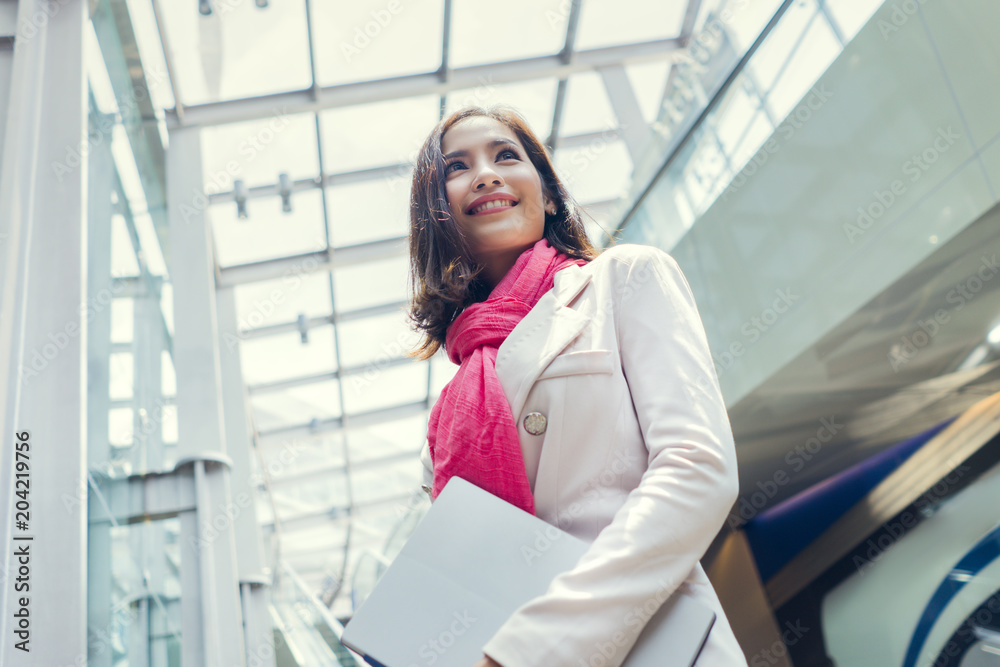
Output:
x=444 y=276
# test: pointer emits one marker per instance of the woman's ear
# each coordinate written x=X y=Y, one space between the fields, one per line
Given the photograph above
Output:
x=550 y=206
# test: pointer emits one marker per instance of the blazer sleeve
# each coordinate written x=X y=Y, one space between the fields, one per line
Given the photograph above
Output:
x=669 y=520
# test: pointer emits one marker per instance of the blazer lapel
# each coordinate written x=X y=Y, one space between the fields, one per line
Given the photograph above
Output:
x=540 y=335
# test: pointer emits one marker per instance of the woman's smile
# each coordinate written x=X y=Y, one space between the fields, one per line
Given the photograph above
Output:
x=495 y=206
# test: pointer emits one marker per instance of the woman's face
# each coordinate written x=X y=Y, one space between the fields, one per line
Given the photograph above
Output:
x=486 y=164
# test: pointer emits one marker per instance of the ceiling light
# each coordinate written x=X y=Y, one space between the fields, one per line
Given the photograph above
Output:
x=285 y=188
x=240 y=194
x=993 y=337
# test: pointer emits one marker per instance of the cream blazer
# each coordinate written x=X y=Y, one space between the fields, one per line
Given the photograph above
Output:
x=636 y=456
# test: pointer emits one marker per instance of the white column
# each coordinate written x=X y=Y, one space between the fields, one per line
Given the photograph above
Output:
x=254 y=577
x=43 y=204
x=213 y=620
x=100 y=186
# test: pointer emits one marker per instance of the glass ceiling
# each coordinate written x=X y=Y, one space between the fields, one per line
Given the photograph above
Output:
x=320 y=273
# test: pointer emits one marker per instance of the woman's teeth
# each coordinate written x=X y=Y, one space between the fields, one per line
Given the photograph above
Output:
x=496 y=203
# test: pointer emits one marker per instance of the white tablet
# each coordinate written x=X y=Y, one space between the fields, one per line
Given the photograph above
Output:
x=461 y=575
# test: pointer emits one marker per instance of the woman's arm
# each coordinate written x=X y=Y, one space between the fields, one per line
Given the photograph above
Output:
x=668 y=521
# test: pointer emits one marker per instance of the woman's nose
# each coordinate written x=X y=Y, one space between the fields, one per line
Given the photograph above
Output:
x=487 y=176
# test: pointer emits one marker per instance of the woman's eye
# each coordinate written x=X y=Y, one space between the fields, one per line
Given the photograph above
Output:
x=512 y=153
x=447 y=167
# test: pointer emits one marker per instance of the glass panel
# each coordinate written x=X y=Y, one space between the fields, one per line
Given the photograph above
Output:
x=296 y=405
x=385 y=481
x=733 y=115
x=232 y=53
x=389 y=387
x=587 y=107
x=601 y=22
x=151 y=52
x=363 y=40
x=375 y=135
x=648 y=80
x=748 y=20
x=851 y=15
x=597 y=171
x=268 y=232
x=369 y=211
x=284 y=356
x=145 y=594
x=390 y=437
x=257 y=151
x=121 y=376
x=123 y=262
x=755 y=134
x=168 y=385
x=533 y=99
x=818 y=49
x=133 y=583
x=373 y=341
x=371 y=284
x=300 y=459
x=121 y=320
x=524 y=28
x=771 y=58
x=282 y=299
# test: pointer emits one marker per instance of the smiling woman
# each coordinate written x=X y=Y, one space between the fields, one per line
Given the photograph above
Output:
x=563 y=353
x=458 y=254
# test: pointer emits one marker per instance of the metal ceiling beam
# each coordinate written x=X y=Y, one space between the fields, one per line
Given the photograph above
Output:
x=566 y=54
x=690 y=16
x=363 y=92
x=628 y=113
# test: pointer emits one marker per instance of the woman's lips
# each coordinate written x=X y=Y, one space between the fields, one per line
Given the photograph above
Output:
x=495 y=209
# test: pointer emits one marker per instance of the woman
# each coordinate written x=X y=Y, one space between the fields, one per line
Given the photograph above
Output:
x=585 y=394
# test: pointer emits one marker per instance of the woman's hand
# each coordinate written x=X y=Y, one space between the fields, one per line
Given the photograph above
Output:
x=487 y=661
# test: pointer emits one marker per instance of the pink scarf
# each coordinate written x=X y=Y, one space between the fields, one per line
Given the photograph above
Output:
x=471 y=431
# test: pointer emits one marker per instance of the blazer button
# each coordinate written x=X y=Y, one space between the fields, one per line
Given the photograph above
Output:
x=535 y=423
